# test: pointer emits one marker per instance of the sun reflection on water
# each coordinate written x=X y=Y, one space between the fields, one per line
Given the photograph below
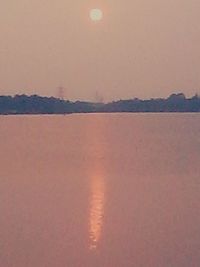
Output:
x=97 y=153
x=96 y=210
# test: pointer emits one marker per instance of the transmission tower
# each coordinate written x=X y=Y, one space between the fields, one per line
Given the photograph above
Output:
x=98 y=97
x=60 y=93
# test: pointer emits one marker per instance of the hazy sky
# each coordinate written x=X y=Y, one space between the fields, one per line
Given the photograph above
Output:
x=142 y=48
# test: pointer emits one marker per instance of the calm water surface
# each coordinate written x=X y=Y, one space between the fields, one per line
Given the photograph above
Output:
x=120 y=190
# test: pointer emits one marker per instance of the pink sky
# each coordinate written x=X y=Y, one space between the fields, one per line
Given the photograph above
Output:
x=140 y=49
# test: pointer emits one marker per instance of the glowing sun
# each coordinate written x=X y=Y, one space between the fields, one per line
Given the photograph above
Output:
x=96 y=14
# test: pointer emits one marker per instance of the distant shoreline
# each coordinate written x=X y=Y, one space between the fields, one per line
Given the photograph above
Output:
x=97 y=113
x=37 y=105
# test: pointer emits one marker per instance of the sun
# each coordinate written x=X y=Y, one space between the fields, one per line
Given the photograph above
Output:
x=96 y=14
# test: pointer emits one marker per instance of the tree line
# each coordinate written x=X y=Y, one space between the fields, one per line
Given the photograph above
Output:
x=23 y=104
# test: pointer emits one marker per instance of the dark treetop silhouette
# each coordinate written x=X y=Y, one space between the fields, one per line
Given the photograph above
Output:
x=23 y=104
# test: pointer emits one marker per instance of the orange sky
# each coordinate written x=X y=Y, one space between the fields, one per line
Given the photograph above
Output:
x=141 y=48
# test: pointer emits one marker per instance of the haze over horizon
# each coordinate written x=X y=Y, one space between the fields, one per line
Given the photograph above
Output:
x=139 y=49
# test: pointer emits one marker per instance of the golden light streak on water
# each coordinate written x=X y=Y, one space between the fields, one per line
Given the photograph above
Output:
x=96 y=210
x=97 y=154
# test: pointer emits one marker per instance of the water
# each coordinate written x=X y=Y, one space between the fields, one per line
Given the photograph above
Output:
x=112 y=190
